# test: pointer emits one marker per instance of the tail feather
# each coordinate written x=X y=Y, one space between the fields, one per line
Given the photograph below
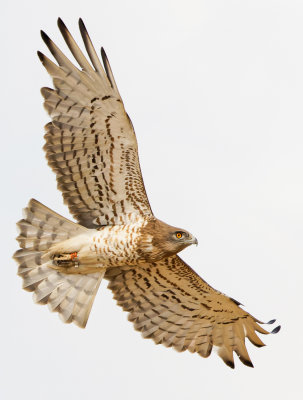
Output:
x=42 y=227
x=71 y=295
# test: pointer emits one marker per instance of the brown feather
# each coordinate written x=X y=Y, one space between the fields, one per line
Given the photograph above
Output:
x=103 y=184
x=170 y=303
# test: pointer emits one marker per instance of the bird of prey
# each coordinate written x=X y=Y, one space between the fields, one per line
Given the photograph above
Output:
x=91 y=146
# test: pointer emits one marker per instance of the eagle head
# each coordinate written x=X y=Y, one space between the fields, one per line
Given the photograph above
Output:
x=160 y=240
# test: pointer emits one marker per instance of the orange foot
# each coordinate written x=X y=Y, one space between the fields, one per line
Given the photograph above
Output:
x=73 y=255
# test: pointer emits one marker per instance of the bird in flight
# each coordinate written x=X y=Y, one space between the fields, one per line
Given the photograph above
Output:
x=91 y=146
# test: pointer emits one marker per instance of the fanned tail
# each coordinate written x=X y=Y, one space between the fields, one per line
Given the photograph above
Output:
x=71 y=295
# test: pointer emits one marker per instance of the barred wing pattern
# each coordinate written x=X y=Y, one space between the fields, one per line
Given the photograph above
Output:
x=90 y=143
x=168 y=302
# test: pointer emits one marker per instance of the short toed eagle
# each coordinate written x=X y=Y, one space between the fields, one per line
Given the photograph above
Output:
x=91 y=146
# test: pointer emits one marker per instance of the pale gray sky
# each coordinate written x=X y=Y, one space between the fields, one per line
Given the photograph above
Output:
x=215 y=92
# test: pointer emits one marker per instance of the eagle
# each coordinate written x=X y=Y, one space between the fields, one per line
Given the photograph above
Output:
x=91 y=146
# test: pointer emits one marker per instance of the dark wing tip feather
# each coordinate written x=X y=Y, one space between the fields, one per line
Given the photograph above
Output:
x=41 y=56
x=248 y=363
x=46 y=39
x=61 y=26
x=106 y=64
x=82 y=26
x=103 y=54
x=60 y=22
x=84 y=33
x=236 y=302
x=229 y=363
x=276 y=330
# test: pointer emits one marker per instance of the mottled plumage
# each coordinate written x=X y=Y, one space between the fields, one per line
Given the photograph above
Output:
x=91 y=146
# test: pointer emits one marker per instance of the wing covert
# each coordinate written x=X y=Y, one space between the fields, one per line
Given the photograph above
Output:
x=168 y=302
x=90 y=143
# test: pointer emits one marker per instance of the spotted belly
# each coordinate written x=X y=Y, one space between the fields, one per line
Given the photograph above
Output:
x=116 y=245
x=108 y=246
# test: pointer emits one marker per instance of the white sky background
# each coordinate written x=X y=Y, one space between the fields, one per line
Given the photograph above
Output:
x=215 y=92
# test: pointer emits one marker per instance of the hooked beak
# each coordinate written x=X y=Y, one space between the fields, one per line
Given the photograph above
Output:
x=194 y=241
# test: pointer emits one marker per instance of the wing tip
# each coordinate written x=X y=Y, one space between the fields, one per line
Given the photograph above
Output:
x=82 y=25
x=248 y=363
x=60 y=21
x=259 y=344
x=236 y=302
x=41 y=56
x=230 y=363
x=276 y=329
x=45 y=37
x=61 y=25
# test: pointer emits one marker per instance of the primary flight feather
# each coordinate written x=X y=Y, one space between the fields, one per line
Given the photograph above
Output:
x=91 y=146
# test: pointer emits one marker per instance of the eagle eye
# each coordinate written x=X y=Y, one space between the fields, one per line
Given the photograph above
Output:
x=179 y=235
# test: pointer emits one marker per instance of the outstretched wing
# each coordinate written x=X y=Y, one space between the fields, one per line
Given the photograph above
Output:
x=90 y=143
x=168 y=302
